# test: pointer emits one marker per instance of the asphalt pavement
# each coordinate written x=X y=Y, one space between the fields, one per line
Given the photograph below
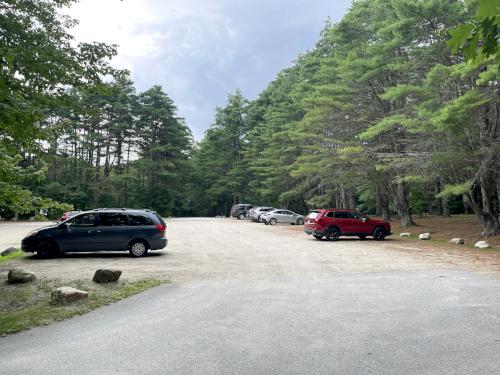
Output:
x=388 y=322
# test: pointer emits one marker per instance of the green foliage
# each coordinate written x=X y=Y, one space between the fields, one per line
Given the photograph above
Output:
x=478 y=38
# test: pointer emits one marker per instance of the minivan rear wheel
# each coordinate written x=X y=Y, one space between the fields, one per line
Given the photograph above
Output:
x=137 y=248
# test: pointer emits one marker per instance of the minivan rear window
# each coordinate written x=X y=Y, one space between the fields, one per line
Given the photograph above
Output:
x=139 y=219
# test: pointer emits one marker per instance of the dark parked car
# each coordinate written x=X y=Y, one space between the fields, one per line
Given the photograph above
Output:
x=333 y=223
x=240 y=211
x=100 y=230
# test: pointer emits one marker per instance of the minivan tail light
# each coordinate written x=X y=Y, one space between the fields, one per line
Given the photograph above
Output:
x=161 y=227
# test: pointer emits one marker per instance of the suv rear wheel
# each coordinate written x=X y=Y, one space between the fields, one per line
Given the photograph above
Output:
x=241 y=216
x=379 y=234
x=332 y=234
x=137 y=248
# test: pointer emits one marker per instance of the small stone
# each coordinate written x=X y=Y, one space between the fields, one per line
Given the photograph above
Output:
x=8 y=251
x=20 y=275
x=482 y=245
x=425 y=236
x=405 y=234
x=67 y=294
x=106 y=276
x=458 y=241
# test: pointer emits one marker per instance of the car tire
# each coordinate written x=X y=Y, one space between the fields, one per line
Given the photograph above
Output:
x=362 y=237
x=241 y=216
x=300 y=221
x=259 y=220
x=138 y=248
x=379 y=234
x=332 y=234
x=273 y=221
x=47 y=250
x=317 y=237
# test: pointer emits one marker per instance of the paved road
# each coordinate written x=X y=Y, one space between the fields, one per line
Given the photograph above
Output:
x=251 y=299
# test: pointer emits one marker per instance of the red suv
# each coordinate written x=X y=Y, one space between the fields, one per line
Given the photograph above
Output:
x=333 y=223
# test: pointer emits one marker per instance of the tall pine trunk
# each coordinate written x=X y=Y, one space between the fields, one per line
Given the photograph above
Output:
x=401 y=195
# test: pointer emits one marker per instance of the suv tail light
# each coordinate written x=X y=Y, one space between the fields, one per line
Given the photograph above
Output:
x=161 y=227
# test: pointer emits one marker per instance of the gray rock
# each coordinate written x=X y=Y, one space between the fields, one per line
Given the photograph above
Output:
x=405 y=234
x=20 y=275
x=425 y=236
x=67 y=294
x=8 y=251
x=482 y=244
x=106 y=276
x=458 y=241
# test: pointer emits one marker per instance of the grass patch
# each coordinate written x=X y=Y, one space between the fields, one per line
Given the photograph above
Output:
x=24 y=306
x=11 y=256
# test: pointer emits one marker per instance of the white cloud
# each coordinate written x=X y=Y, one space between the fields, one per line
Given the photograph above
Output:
x=200 y=50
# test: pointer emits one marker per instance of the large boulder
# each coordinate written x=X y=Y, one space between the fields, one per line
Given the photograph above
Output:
x=20 y=275
x=458 y=241
x=425 y=236
x=106 y=276
x=8 y=251
x=67 y=294
x=482 y=245
x=405 y=234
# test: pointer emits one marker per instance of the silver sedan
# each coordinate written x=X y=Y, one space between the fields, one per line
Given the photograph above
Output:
x=282 y=216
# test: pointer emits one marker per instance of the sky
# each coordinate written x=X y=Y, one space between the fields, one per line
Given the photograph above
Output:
x=200 y=51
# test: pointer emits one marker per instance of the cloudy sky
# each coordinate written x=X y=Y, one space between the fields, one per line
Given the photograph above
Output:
x=202 y=50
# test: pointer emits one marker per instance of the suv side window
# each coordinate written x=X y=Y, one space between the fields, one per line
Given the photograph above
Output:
x=353 y=215
x=330 y=214
x=86 y=220
x=139 y=219
x=341 y=215
x=113 y=219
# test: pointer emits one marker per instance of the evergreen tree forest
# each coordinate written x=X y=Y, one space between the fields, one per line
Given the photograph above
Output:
x=395 y=111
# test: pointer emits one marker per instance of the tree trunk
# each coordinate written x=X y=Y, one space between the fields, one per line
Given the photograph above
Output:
x=445 y=210
x=402 y=191
x=489 y=211
x=383 y=202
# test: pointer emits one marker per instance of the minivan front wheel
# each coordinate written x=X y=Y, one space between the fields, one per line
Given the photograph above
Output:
x=137 y=249
x=47 y=250
x=241 y=216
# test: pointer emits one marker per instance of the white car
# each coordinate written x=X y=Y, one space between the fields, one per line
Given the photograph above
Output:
x=282 y=216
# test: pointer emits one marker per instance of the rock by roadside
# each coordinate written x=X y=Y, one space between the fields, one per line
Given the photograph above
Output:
x=458 y=241
x=405 y=234
x=482 y=245
x=425 y=236
x=106 y=275
x=67 y=294
x=20 y=275
x=8 y=251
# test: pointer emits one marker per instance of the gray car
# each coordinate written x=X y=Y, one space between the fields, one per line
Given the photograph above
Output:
x=255 y=214
x=136 y=231
x=282 y=217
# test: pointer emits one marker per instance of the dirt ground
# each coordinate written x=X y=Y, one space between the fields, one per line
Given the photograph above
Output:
x=202 y=249
x=446 y=228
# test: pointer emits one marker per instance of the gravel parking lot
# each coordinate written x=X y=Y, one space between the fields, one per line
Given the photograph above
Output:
x=254 y=299
x=202 y=249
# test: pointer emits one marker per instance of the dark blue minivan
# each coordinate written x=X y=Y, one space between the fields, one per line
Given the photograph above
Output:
x=102 y=229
